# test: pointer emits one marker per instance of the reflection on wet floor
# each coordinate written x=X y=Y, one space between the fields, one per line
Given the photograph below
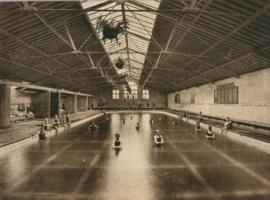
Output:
x=82 y=165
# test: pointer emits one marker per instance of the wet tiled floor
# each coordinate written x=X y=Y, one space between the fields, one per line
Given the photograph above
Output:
x=78 y=164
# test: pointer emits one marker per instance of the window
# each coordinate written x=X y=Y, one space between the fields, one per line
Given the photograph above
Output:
x=116 y=94
x=177 y=98
x=226 y=94
x=134 y=94
x=134 y=91
x=145 y=94
x=126 y=93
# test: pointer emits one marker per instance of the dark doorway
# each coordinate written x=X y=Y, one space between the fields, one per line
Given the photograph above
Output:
x=54 y=104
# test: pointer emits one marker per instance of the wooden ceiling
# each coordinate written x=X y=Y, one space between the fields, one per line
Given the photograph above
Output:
x=44 y=47
x=192 y=43
x=214 y=41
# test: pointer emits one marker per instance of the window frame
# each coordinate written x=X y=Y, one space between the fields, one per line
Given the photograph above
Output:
x=177 y=98
x=115 y=94
x=226 y=94
x=134 y=91
x=145 y=94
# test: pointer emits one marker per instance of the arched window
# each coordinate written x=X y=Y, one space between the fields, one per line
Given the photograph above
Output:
x=177 y=98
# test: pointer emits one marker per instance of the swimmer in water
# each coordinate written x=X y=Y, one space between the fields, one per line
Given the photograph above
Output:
x=93 y=126
x=209 y=133
x=56 y=122
x=197 y=126
x=158 y=139
x=227 y=125
x=137 y=125
x=45 y=124
x=117 y=143
x=42 y=134
x=200 y=116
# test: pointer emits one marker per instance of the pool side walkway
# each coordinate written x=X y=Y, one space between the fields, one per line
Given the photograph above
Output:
x=234 y=134
x=27 y=129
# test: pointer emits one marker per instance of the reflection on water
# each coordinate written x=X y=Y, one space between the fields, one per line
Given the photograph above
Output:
x=85 y=164
x=16 y=166
x=128 y=175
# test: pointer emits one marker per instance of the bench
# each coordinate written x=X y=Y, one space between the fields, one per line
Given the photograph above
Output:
x=251 y=129
x=235 y=122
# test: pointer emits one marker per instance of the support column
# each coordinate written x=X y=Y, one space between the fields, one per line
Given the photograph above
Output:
x=59 y=103
x=86 y=103
x=90 y=103
x=4 y=105
x=48 y=102
x=75 y=103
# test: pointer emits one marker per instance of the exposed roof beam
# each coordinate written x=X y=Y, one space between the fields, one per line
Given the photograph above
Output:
x=37 y=87
x=16 y=38
x=91 y=34
x=165 y=49
x=100 y=61
x=87 y=10
x=133 y=72
x=85 y=41
x=39 y=51
x=220 y=67
x=159 y=12
x=92 y=28
x=101 y=5
x=164 y=69
x=46 y=23
x=139 y=36
x=70 y=37
x=149 y=34
x=235 y=30
x=156 y=83
x=170 y=39
x=133 y=51
x=263 y=55
x=202 y=29
x=116 y=52
x=42 y=72
x=207 y=3
x=135 y=61
x=168 y=52
x=126 y=38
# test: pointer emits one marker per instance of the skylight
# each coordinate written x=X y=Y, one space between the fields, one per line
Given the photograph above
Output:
x=134 y=42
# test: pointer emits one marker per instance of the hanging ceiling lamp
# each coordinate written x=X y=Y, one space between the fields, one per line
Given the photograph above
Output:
x=120 y=63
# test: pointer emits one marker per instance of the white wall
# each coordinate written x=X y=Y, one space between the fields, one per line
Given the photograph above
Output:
x=254 y=98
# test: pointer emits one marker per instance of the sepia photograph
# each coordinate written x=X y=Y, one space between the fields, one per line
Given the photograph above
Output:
x=135 y=100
